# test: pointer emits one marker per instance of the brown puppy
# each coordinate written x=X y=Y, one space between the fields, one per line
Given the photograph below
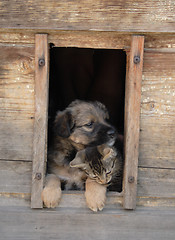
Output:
x=82 y=124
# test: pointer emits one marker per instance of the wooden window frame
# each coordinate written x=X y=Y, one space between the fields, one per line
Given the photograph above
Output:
x=41 y=118
x=134 y=67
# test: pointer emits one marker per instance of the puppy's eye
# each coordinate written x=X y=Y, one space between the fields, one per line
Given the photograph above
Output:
x=90 y=124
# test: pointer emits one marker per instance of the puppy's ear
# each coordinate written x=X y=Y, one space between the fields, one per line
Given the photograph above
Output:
x=103 y=108
x=63 y=124
x=79 y=160
x=92 y=154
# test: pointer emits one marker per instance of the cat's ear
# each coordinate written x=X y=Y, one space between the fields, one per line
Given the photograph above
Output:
x=104 y=150
x=109 y=153
x=79 y=160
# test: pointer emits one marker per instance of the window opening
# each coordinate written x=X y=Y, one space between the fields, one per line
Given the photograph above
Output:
x=88 y=74
x=93 y=68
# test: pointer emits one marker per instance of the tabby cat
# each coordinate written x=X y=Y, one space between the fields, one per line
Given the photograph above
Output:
x=102 y=164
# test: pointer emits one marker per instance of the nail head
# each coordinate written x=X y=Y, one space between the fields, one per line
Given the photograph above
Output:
x=41 y=62
x=136 y=59
x=131 y=179
x=38 y=176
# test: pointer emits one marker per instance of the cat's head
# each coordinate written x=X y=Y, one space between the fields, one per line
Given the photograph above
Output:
x=98 y=162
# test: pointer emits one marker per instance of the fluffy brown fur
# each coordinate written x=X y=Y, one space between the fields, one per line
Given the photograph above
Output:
x=82 y=124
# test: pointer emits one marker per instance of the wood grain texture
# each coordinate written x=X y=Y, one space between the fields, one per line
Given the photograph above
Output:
x=100 y=15
x=155 y=182
x=75 y=224
x=17 y=81
x=41 y=118
x=157 y=138
x=16 y=139
x=77 y=201
x=89 y=39
x=16 y=102
x=132 y=121
x=110 y=40
x=156 y=187
x=15 y=177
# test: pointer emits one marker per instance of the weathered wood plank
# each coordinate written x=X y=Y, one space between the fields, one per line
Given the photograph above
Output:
x=77 y=201
x=156 y=182
x=16 y=37
x=15 y=199
x=88 y=39
x=109 y=40
x=15 y=177
x=100 y=15
x=156 y=187
x=17 y=81
x=16 y=139
x=24 y=223
x=157 y=142
x=132 y=120
x=17 y=78
x=41 y=117
x=156 y=202
x=16 y=102
x=157 y=138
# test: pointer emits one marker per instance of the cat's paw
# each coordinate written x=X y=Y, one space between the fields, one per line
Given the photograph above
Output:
x=51 y=196
x=95 y=195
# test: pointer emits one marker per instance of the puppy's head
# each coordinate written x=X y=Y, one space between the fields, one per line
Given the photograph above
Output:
x=85 y=123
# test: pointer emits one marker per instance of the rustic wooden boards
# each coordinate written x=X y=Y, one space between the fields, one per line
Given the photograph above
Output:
x=99 y=15
x=154 y=182
x=157 y=138
x=156 y=187
x=75 y=224
x=15 y=177
x=16 y=101
x=88 y=39
x=41 y=118
x=132 y=120
x=156 y=155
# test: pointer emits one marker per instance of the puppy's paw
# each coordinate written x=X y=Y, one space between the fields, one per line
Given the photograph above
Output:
x=51 y=196
x=95 y=195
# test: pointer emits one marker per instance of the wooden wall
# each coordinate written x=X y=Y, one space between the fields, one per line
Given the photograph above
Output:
x=16 y=117
x=157 y=138
x=156 y=181
x=99 y=15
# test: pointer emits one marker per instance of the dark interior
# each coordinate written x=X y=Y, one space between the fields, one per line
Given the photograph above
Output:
x=87 y=74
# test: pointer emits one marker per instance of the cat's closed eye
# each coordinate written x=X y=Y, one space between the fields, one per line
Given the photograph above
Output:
x=89 y=124
x=86 y=172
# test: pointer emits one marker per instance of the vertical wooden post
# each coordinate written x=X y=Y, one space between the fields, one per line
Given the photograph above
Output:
x=41 y=117
x=132 y=120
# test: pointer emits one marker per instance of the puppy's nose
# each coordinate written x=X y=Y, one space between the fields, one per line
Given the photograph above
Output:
x=111 y=133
